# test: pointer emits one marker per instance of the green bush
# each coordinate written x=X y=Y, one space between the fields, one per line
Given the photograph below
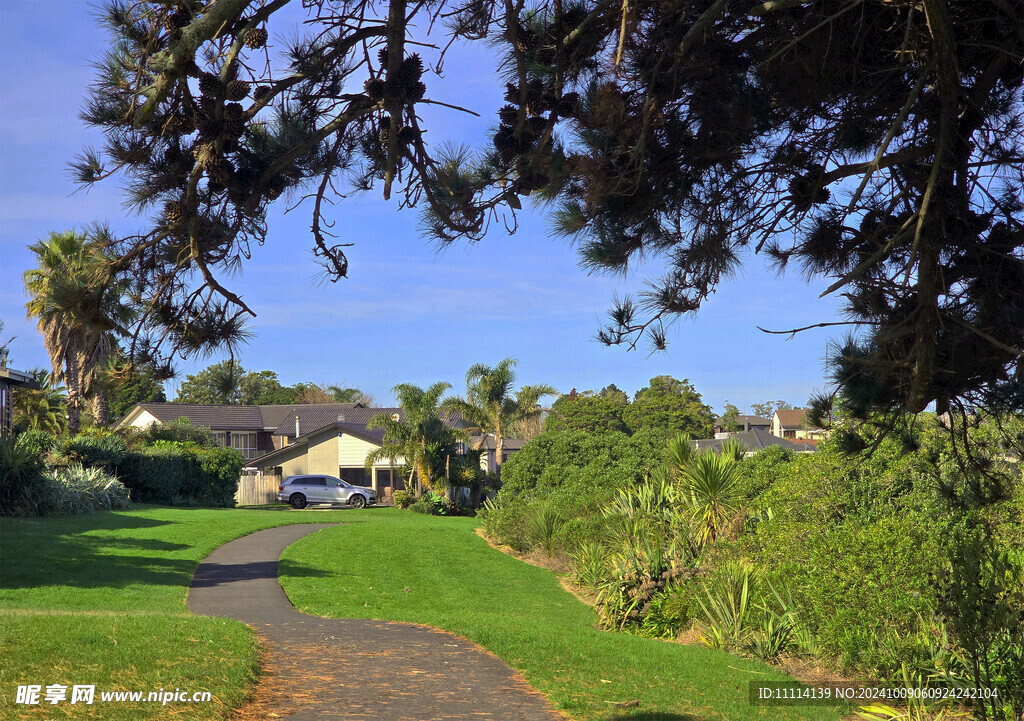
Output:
x=423 y=505
x=22 y=486
x=38 y=443
x=107 y=451
x=182 y=474
x=403 y=499
x=76 y=489
x=180 y=431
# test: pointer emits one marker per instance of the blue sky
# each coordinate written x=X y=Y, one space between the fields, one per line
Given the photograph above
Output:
x=406 y=313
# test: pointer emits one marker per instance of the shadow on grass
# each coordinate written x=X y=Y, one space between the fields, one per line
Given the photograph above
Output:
x=216 y=574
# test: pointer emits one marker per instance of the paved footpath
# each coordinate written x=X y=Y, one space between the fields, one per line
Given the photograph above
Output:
x=326 y=668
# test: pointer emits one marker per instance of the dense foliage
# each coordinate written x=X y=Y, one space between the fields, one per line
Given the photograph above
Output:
x=228 y=383
x=687 y=133
x=666 y=405
x=898 y=563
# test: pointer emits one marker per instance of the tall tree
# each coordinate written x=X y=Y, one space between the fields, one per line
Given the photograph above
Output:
x=731 y=418
x=588 y=412
x=421 y=438
x=686 y=133
x=81 y=308
x=491 y=405
x=768 y=408
x=671 y=406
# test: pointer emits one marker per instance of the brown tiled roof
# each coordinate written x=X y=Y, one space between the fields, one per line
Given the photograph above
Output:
x=792 y=417
x=314 y=417
x=228 y=418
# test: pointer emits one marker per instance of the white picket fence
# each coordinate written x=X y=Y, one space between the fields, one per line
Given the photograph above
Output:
x=257 y=489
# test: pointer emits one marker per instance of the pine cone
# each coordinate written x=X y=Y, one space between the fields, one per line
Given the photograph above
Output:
x=238 y=90
x=261 y=92
x=256 y=38
x=509 y=114
x=382 y=56
x=416 y=92
x=374 y=88
x=209 y=84
x=175 y=212
x=410 y=70
x=177 y=20
x=219 y=170
x=408 y=134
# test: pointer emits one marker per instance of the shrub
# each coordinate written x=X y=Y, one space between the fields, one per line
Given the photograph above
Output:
x=38 y=443
x=589 y=565
x=670 y=614
x=76 y=489
x=423 y=505
x=180 y=431
x=403 y=499
x=107 y=451
x=22 y=486
x=179 y=474
x=544 y=524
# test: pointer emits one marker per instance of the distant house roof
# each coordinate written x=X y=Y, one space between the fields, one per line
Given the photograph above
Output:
x=755 y=440
x=792 y=417
x=312 y=417
x=746 y=421
x=253 y=418
x=228 y=418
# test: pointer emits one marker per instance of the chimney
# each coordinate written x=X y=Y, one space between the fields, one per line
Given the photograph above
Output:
x=297 y=433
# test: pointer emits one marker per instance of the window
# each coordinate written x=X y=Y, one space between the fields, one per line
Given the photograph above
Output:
x=245 y=443
x=355 y=476
x=310 y=481
x=383 y=478
x=220 y=438
x=789 y=434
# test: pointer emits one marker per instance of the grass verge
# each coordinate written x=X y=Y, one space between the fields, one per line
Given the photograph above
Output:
x=437 y=571
x=100 y=599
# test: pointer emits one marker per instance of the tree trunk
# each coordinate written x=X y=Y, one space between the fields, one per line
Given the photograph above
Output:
x=100 y=406
x=71 y=382
x=499 y=448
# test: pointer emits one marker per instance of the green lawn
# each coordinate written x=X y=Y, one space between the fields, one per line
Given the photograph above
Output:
x=437 y=571
x=100 y=598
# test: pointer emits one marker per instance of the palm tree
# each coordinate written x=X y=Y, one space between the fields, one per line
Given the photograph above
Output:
x=421 y=438
x=44 y=409
x=490 y=407
x=80 y=310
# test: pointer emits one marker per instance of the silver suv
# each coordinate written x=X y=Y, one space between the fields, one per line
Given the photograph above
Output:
x=300 y=491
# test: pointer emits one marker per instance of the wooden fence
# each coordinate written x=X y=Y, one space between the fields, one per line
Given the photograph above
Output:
x=257 y=489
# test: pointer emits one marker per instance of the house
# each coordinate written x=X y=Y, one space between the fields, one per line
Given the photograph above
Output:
x=336 y=449
x=792 y=423
x=755 y=440
x=9 y=380
x=252 y=430
x=746 y=423
x=488 y=455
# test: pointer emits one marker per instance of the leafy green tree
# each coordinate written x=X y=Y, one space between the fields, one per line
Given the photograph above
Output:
x=491 y=405
x=262 y=388
x=79 y=301
x=142 y=386
x=768 y=408
x=43 y=409
x=228 y=383
x=587 y=412
x=322 y=393
x=420 y=439
x=670 y=406
x=731 y=418
x=890 y=172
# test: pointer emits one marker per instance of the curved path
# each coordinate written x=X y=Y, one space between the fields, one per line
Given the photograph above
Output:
x=317 y=668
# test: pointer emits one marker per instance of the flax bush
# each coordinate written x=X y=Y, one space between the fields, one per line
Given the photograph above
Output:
x=77 y=489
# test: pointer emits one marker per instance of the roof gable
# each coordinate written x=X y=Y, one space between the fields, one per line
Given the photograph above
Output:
x=792 y=417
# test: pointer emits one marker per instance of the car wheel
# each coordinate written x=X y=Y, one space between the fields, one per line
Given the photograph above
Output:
x=357 y=501
x=297 y=500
